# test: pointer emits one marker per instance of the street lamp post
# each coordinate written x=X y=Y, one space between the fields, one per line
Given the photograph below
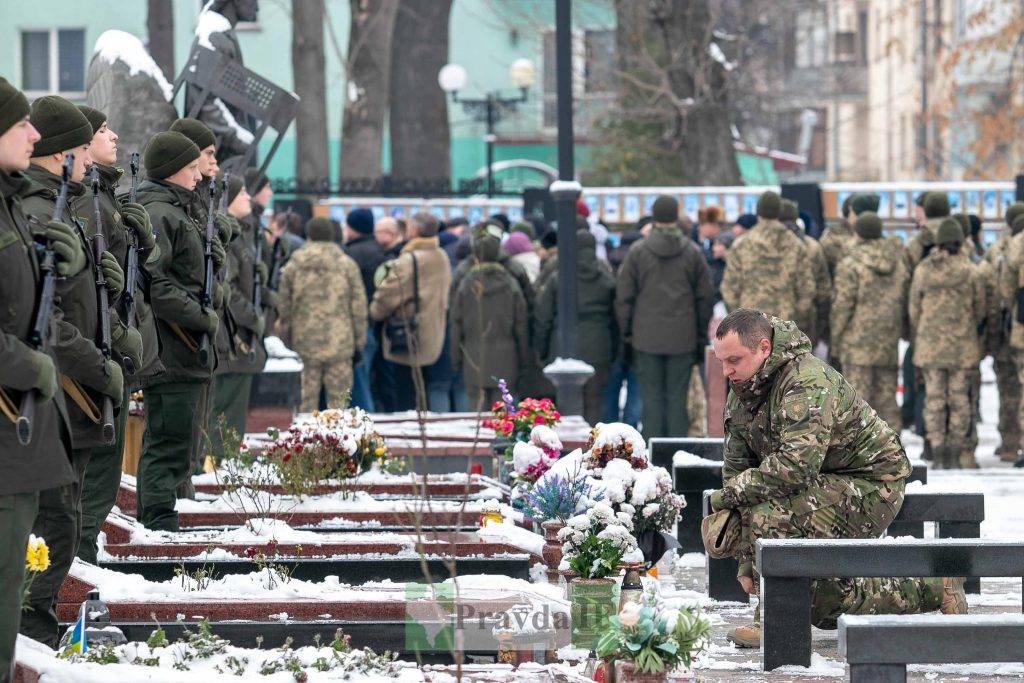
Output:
x=492 y=107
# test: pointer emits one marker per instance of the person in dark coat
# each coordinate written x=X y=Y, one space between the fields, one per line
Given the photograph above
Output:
x=488 y=323
x=595 y=310
x=663 y=305
x=621 y=376
x=368 y=254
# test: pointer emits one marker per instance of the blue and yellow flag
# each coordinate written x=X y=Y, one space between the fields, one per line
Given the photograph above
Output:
x=77 y=641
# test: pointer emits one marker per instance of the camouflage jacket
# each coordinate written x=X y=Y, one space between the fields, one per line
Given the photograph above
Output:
x=1011 y=282
x=769 y=270
x=798 y=418
x=836 y=241
x=986 y=275
x=947 y=309
x=921 y=242
x=322 y=314
x=869 y=307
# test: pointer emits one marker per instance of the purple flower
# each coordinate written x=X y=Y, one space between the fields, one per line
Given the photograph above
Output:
x=506 y=397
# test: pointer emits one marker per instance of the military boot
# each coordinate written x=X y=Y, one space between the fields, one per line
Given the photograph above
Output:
x=749 y=635
x=1007 y=453
x=954 y=599
x=938 y=457
x=967 y=459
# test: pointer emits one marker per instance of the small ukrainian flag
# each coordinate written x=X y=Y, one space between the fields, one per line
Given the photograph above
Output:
x=77 y=642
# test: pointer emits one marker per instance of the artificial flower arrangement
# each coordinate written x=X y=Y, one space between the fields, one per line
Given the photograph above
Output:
x=615 y=465
x=516 y=421
x=596 y=542
x=654 y=639
x=335 y=444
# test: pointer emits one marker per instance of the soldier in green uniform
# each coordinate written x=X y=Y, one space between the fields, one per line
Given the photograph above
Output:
x=246 y=356
x=806 y=457
x=1007 y=381
x=86 y=376
x=869 y=315
x=44 y=463
x=122 y=222
x=819 y=262
x=202 y=203
x=173 y=400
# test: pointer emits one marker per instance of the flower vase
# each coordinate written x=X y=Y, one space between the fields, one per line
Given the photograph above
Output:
x=552 y=550
x=592 y=601
x=626 y=673
x=502 y=465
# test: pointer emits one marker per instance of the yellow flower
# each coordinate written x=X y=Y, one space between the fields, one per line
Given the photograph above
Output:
x=380 y=451
x=37 y=555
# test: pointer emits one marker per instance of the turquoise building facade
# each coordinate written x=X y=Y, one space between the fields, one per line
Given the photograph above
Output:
x=50 y=42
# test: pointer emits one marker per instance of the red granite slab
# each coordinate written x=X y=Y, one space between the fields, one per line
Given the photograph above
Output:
x=286 y=551
x=410 y=489
x=74 y=590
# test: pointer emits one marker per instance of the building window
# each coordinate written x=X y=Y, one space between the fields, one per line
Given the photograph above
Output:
x=593 y=69
x=811 y=47
x=53 y=62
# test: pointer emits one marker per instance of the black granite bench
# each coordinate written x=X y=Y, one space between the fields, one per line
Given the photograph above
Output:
x=787 y=568
x=691 y=480
x=956 y=515
x=879 y=647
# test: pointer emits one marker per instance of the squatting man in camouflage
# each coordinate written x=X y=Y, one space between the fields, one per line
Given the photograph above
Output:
x=806 y=457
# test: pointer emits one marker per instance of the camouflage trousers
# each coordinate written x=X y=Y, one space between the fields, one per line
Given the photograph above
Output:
x=833 y=506
x=334 y=376
x=948 y=409
x=974 y=399
x=876 y=384
x=1008 y=385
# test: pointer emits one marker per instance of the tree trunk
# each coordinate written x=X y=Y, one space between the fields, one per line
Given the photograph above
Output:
x=420 y=139
x=160 y=26
x=311 y=154
x=672 y=123
x=368 y=67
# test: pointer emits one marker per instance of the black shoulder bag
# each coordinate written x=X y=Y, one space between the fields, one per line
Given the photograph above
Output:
x=401 y=332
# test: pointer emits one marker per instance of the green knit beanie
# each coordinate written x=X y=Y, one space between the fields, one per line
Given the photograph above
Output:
x=486 y=243
x=789 y=211
x=196 y=131
x=1018 y=225
x=936 y=205
x=864 y=202
x=949 y=232
x=167 y=153
x=868 y=225
x=965 y=223
x=95 y=116
x=769 y=205
x=525 y=228
x=61 y=125
x=235 y=185
x=319 y=229
x=1012 y=211
x=13 y=105
x=665 y=209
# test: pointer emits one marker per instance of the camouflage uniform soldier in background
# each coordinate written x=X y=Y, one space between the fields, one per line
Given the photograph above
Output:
x=768 y=269
x=1006 y=372
x=839 y=237
x=947 y=309
x=936 y=208
x=987 y=331
x=1011 y=291
x=806 y=457
x=822 y=277
x=322 y=315
x=869 y=315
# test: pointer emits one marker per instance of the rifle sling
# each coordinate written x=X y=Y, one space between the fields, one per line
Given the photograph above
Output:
x=77 y=393
x=8 y=408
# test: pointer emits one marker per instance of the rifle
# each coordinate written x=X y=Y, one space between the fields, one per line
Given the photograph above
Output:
x=39 y=337
x=257 y=288
x=131 y=269
x=206 y=299
x=276 y=252
x=229 y=323
x=99 y=245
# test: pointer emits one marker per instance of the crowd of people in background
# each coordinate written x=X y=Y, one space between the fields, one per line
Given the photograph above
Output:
x=479 y=304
